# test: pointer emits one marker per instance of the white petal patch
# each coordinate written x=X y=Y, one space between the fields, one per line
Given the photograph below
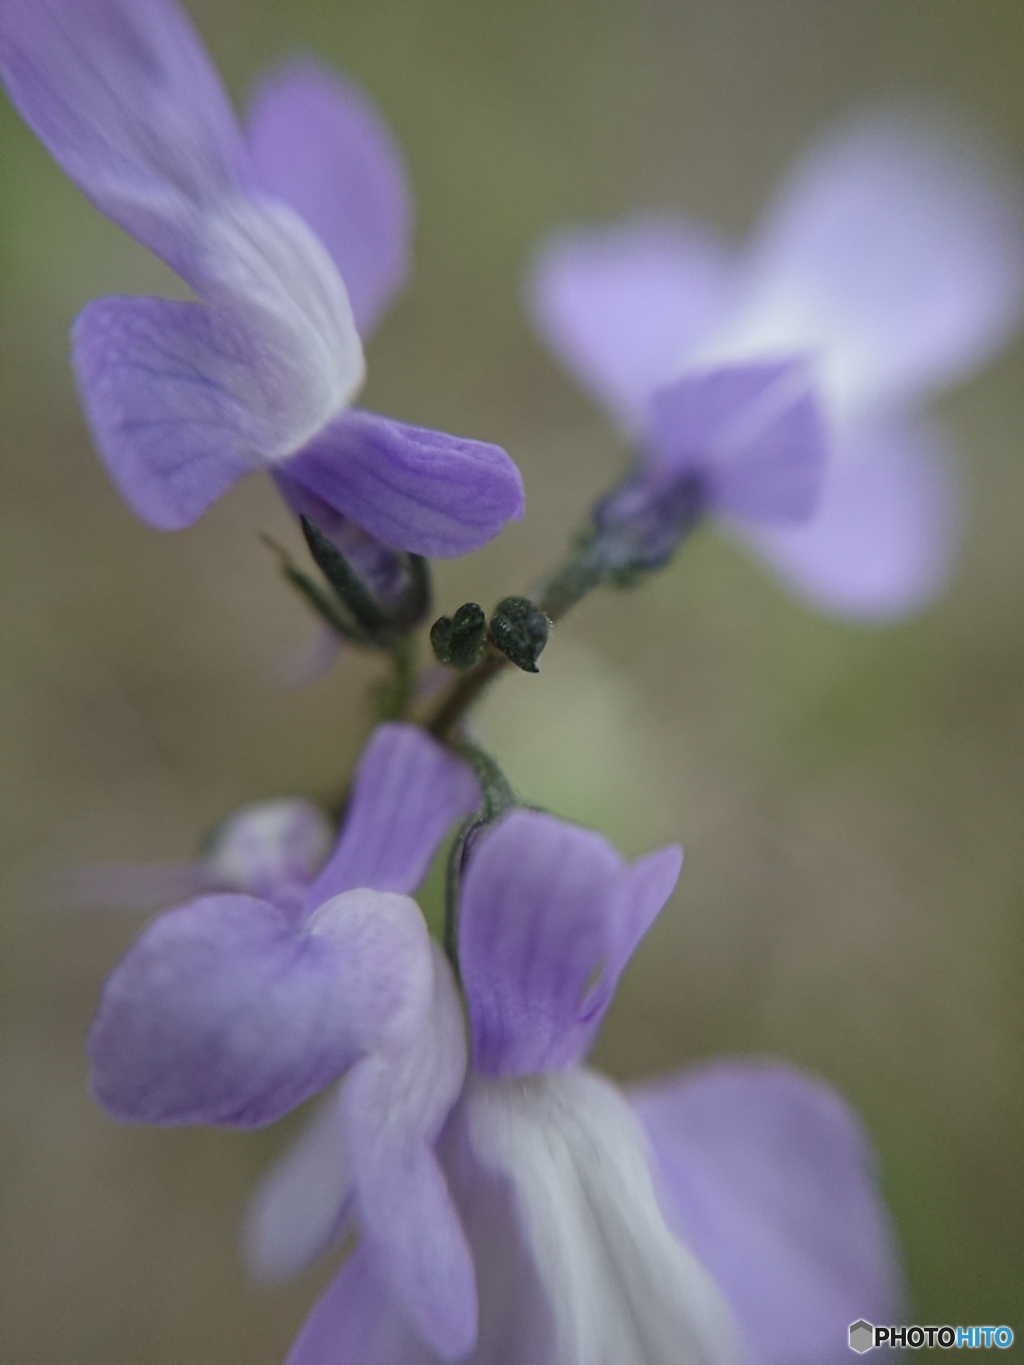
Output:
x=269 y=844
x=299 y=1207
x=621 y=1290
x=262 y=267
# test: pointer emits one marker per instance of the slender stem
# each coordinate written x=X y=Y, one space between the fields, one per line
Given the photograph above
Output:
x=396 y=694
x=498 y=796
x=495 y=786
x=569 y=584
x=463 y=692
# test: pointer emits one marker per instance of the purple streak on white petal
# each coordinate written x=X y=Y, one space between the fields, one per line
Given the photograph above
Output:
x=222 y=1012
x=412 y=488
x=408 y=792
x=271 y=849
x=302 y=1205
x=622 y=306
x=754 y=434
x=550 y=915
x=316 y=142
x=897 y=244
x=395 y=1105
x=769 y=1178
x=124 y=97
x=611 y=1284
x=357 y=1322
x=265 y=270
x=884 y=539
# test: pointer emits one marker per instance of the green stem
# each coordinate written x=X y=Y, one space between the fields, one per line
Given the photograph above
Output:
x=498 y=798
x=397 y=693
x=461 y=694
x=569 y=584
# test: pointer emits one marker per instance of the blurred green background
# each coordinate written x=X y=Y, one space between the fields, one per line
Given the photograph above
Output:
x=850 y=800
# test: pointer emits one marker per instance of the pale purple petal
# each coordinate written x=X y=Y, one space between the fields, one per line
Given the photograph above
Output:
x=357 y=1322
x=550 y=914
x=395 y=1105
x=412 y=488
x=769 y=1178
x=898 y=244
x=166 y=387
x=221 y=1012
x=271 y=849
x=883 y=540
x=302 y=1205
x=372 y=1157
x=182 y=400
x=317 y=142
x=622 y=306
x=125 y=99
x=408 y=792
x=650 y=881
x=753 y=434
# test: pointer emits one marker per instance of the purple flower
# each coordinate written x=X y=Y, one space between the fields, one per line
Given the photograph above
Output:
x=744 y=442
x=233 y=1009
x=890 y=264
x=727 y=1215
x=293 y=235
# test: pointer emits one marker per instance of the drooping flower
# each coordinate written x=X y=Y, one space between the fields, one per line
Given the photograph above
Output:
x=294 y=237
x=727 y=1215
x=890 y=264
x=233 y=1008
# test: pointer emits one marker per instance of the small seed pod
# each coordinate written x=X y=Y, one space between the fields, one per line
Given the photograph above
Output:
x=520 y=630
x=459 y=640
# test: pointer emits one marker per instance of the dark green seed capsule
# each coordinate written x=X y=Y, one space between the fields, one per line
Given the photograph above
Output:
x=520 y=630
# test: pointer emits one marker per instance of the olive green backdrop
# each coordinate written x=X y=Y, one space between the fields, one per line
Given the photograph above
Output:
x=850 y=800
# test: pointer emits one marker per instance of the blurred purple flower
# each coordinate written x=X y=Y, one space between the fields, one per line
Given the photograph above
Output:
x=293 y=236
x=727 y=1215
x=890 y=264
x=233 y=1009
x=744 y=442
x=271 y=849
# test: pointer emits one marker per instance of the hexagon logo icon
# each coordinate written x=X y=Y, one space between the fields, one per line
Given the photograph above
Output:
x=862 y=1336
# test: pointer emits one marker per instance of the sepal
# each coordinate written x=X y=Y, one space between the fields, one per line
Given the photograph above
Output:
x=365 y=616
